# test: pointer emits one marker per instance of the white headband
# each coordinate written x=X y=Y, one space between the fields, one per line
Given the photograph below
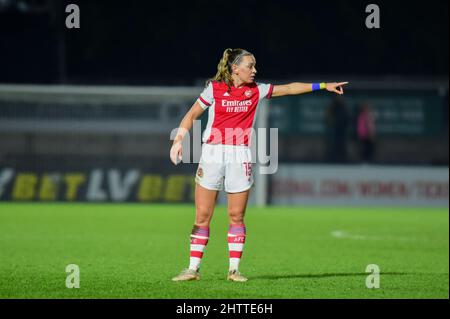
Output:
x=240 y=56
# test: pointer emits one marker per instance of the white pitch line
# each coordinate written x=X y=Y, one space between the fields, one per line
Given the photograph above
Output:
x=346 y=235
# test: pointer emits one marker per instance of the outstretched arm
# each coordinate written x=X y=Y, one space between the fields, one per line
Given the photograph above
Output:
x=300 y=88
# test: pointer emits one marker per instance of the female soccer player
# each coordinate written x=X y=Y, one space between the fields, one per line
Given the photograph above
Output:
x=232 y=97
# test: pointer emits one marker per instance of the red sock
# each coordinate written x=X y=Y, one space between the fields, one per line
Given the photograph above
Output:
x=199 y=240
x=236 y=241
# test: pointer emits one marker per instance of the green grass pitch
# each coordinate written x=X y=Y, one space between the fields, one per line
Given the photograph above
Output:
x=133 y=251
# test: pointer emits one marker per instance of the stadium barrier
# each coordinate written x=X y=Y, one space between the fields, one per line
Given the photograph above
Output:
x=51 y=133
x=360 y=185
x=336 y=185
x=75 y=178
x=96 y=185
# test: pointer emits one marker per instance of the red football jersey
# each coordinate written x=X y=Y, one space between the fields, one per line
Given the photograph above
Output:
x=231 y=112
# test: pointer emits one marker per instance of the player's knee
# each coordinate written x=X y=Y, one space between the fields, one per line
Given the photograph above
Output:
x=236 y=215
x=203 y=215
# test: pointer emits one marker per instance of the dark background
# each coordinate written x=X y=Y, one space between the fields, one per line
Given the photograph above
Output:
x=400 y=70
x=181 y=42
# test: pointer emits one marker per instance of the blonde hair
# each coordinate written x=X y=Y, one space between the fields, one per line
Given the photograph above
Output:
x=230 y=57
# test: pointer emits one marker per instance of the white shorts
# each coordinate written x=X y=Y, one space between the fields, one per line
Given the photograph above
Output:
x=225 y=164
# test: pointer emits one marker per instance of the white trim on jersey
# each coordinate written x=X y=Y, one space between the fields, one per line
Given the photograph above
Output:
x=264 y=90
x=211 y=115
x=206 y=98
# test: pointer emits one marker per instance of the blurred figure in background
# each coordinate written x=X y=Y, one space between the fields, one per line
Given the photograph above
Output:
x=336 y=123
x=365 y=129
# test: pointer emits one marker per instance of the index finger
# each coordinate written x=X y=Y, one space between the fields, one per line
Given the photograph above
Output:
x=342 y=83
